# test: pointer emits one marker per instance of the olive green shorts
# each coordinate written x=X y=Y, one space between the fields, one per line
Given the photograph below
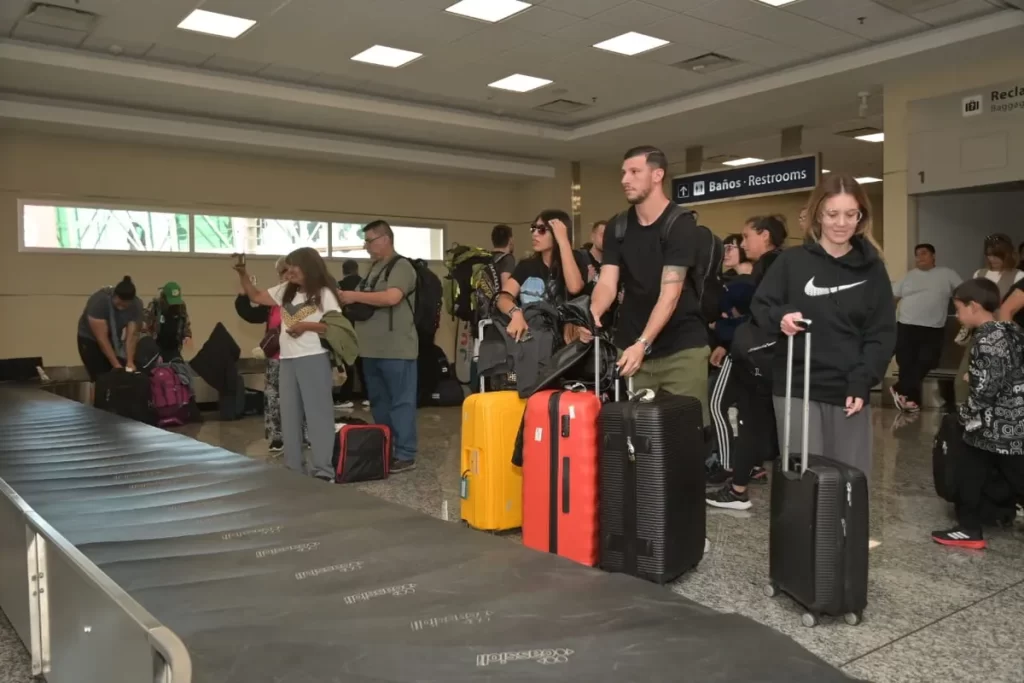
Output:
x=684 y=373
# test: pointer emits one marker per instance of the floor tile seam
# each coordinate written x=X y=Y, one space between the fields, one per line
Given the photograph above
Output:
x=931 y=623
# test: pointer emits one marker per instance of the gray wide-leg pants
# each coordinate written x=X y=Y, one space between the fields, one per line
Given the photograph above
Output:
x=831 y=433
x=305 y=390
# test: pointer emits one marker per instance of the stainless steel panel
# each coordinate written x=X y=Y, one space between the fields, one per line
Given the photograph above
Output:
x=14 y=592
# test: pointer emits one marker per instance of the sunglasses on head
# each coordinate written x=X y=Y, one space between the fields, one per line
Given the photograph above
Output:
x=539 y=229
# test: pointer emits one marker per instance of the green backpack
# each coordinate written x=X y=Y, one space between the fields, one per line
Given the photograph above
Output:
x=471 y=274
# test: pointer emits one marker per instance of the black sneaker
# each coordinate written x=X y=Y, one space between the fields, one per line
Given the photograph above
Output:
x=960 y=538
x=759 y=475
x=398 y=466
x=729 y=498
x=717 y=476
x=276 y=446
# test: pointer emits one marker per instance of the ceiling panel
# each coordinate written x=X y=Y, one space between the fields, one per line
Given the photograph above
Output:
x=12 y=10
x=587 y=33
x=688 y=30
x=51 y=35
x=287 y=74
x=679 y=5
x=957 y=11
x=490 y=40
x=860 y=17
x=541 y=20
x=232 y=65
x=800 y=33
x=247 y=9
x=143 y=21
x=173 y=55
x=731 y=12
x=124 y=47
x=634 y=15
x=583 y=8
x=765 y=53
x=101 y=7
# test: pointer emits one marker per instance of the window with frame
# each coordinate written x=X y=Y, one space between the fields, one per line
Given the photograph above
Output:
x=83 y=228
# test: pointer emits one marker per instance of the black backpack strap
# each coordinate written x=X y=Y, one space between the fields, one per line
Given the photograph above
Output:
x=621 y=221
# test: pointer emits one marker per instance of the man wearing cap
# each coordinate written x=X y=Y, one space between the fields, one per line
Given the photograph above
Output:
x=166 y=320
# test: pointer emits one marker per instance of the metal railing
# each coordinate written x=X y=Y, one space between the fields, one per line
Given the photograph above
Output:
x=78 y=625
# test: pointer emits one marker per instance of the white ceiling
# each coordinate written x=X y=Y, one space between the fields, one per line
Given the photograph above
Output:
x=293 y=70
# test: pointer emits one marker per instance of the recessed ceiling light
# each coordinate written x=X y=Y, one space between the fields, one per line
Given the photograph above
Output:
x=382 y=55
x=825 y=170
x=745 y=161
x=488 y=10
x=631 y=43
x=867 y=180
x=776 y=3
x=520 y=83
x=222 y=25
x=872 y=137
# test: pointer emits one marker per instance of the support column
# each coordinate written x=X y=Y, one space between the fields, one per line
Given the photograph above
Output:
x=576 y=203
x=792 y=141
x=694 y=159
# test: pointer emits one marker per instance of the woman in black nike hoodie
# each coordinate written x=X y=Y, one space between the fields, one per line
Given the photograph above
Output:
x=838 y=281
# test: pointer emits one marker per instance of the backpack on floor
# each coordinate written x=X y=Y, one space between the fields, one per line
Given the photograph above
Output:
x=706 y=276
x=469 y=269
x=170 y=397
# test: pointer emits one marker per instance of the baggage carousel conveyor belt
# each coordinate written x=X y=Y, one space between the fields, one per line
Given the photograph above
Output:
x=266 y=575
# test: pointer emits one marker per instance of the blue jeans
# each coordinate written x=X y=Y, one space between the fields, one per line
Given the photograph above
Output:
x=391 y=386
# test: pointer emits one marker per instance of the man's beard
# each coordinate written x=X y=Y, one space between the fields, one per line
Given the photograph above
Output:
x=639 y=198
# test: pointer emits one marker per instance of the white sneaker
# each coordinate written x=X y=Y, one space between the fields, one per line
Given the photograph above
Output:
x=707 y=545
x=366 y=404
x=347 y=405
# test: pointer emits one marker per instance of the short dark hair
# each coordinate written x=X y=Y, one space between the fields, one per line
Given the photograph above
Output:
x=981 y=291
x=736 y=241
x=548 y=215
x=125 y=289
x=380 y=226
x=350 y=267
x=598 y=224
x=654 y=156
x=925 y=245
x=775 y=226
x=501 y=235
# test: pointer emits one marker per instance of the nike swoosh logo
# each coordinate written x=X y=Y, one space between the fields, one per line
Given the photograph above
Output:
x=811 y=290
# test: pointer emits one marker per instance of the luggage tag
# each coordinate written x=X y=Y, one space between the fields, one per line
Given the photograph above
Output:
x=464 y=485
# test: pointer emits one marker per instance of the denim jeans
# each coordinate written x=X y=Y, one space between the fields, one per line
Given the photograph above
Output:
x=391 y=385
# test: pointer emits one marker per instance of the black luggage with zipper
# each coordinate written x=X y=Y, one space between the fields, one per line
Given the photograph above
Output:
x=651 y=468
x=819 y=529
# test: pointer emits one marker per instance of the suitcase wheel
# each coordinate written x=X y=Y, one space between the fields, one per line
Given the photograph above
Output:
x=771 y=590
x=853 y=618
x=809 y=620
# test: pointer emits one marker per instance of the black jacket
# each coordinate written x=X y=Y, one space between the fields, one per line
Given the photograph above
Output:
x=753 y=347
x=853 y=318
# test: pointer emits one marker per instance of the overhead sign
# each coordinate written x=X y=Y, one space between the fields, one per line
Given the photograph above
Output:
x=1006 y=98
x=795 y=174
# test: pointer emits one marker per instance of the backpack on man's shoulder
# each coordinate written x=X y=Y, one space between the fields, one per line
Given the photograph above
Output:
x=706 y=276
x=426 y=304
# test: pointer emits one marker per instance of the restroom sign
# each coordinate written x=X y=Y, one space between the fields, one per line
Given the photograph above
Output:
x=795 y=174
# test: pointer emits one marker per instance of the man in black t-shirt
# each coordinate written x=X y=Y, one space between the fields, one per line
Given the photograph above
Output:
x=660 y=332
x=503 y=249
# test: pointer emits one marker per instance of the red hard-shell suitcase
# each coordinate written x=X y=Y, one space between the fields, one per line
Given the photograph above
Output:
x=362 y=452
x=560 y=473
x=653 y=514
x=818 y=534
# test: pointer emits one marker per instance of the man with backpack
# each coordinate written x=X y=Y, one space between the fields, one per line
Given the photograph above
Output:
x=388 y=338
x=662 y=258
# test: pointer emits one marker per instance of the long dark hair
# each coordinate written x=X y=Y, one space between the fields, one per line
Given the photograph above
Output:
x=774 y=225
x=546 y=216
x=314 y=271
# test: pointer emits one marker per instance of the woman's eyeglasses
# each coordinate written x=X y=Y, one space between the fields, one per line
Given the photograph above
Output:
x=538 y=229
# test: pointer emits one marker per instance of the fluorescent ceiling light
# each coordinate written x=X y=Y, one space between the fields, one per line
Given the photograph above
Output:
x=825 y=170
x=867 y=180
x=872 y=137
x=776 y=3
x=488 y=10
x=745 y=161
x=631 y=43
x=215 y=24
x=386 y=56
x=520 y=83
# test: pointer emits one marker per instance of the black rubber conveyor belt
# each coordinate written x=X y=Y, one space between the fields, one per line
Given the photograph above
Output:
x=270 y=576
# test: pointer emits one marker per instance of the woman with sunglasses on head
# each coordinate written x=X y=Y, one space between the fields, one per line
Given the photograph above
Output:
x=305 y=380
x=838 y=281
x=552 y=275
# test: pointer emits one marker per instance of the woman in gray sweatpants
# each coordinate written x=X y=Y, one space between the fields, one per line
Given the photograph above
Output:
x=306 y=380
x=837 y=281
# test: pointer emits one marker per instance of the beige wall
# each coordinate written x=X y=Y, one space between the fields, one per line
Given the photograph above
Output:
x=42 y=294
x=900 y=212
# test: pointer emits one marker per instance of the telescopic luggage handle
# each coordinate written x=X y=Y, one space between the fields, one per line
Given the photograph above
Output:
x=787 y=418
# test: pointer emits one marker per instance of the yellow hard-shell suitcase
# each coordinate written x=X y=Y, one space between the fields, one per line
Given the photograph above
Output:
x=491 y=487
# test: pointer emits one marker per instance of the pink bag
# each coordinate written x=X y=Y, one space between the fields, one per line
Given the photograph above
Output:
x=170 y=397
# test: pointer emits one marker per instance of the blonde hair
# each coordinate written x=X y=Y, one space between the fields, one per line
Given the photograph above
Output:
x=833 y=185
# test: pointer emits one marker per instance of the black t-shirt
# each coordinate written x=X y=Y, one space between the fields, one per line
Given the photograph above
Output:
x=640 y=257
x=537 y=284
x=169 y=333
x=349 y=283
x=504 y=262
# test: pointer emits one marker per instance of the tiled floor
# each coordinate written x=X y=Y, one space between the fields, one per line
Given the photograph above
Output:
x=934 y=614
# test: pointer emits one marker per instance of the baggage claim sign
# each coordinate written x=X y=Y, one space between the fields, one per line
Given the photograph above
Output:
x=795 y=174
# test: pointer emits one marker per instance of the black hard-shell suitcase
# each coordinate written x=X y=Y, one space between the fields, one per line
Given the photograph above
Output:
x=651 y=467
x=126 y=394
x=818 y=537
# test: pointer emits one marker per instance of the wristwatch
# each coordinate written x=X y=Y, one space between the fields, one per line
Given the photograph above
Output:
x=512 y=311
x=646 y=344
